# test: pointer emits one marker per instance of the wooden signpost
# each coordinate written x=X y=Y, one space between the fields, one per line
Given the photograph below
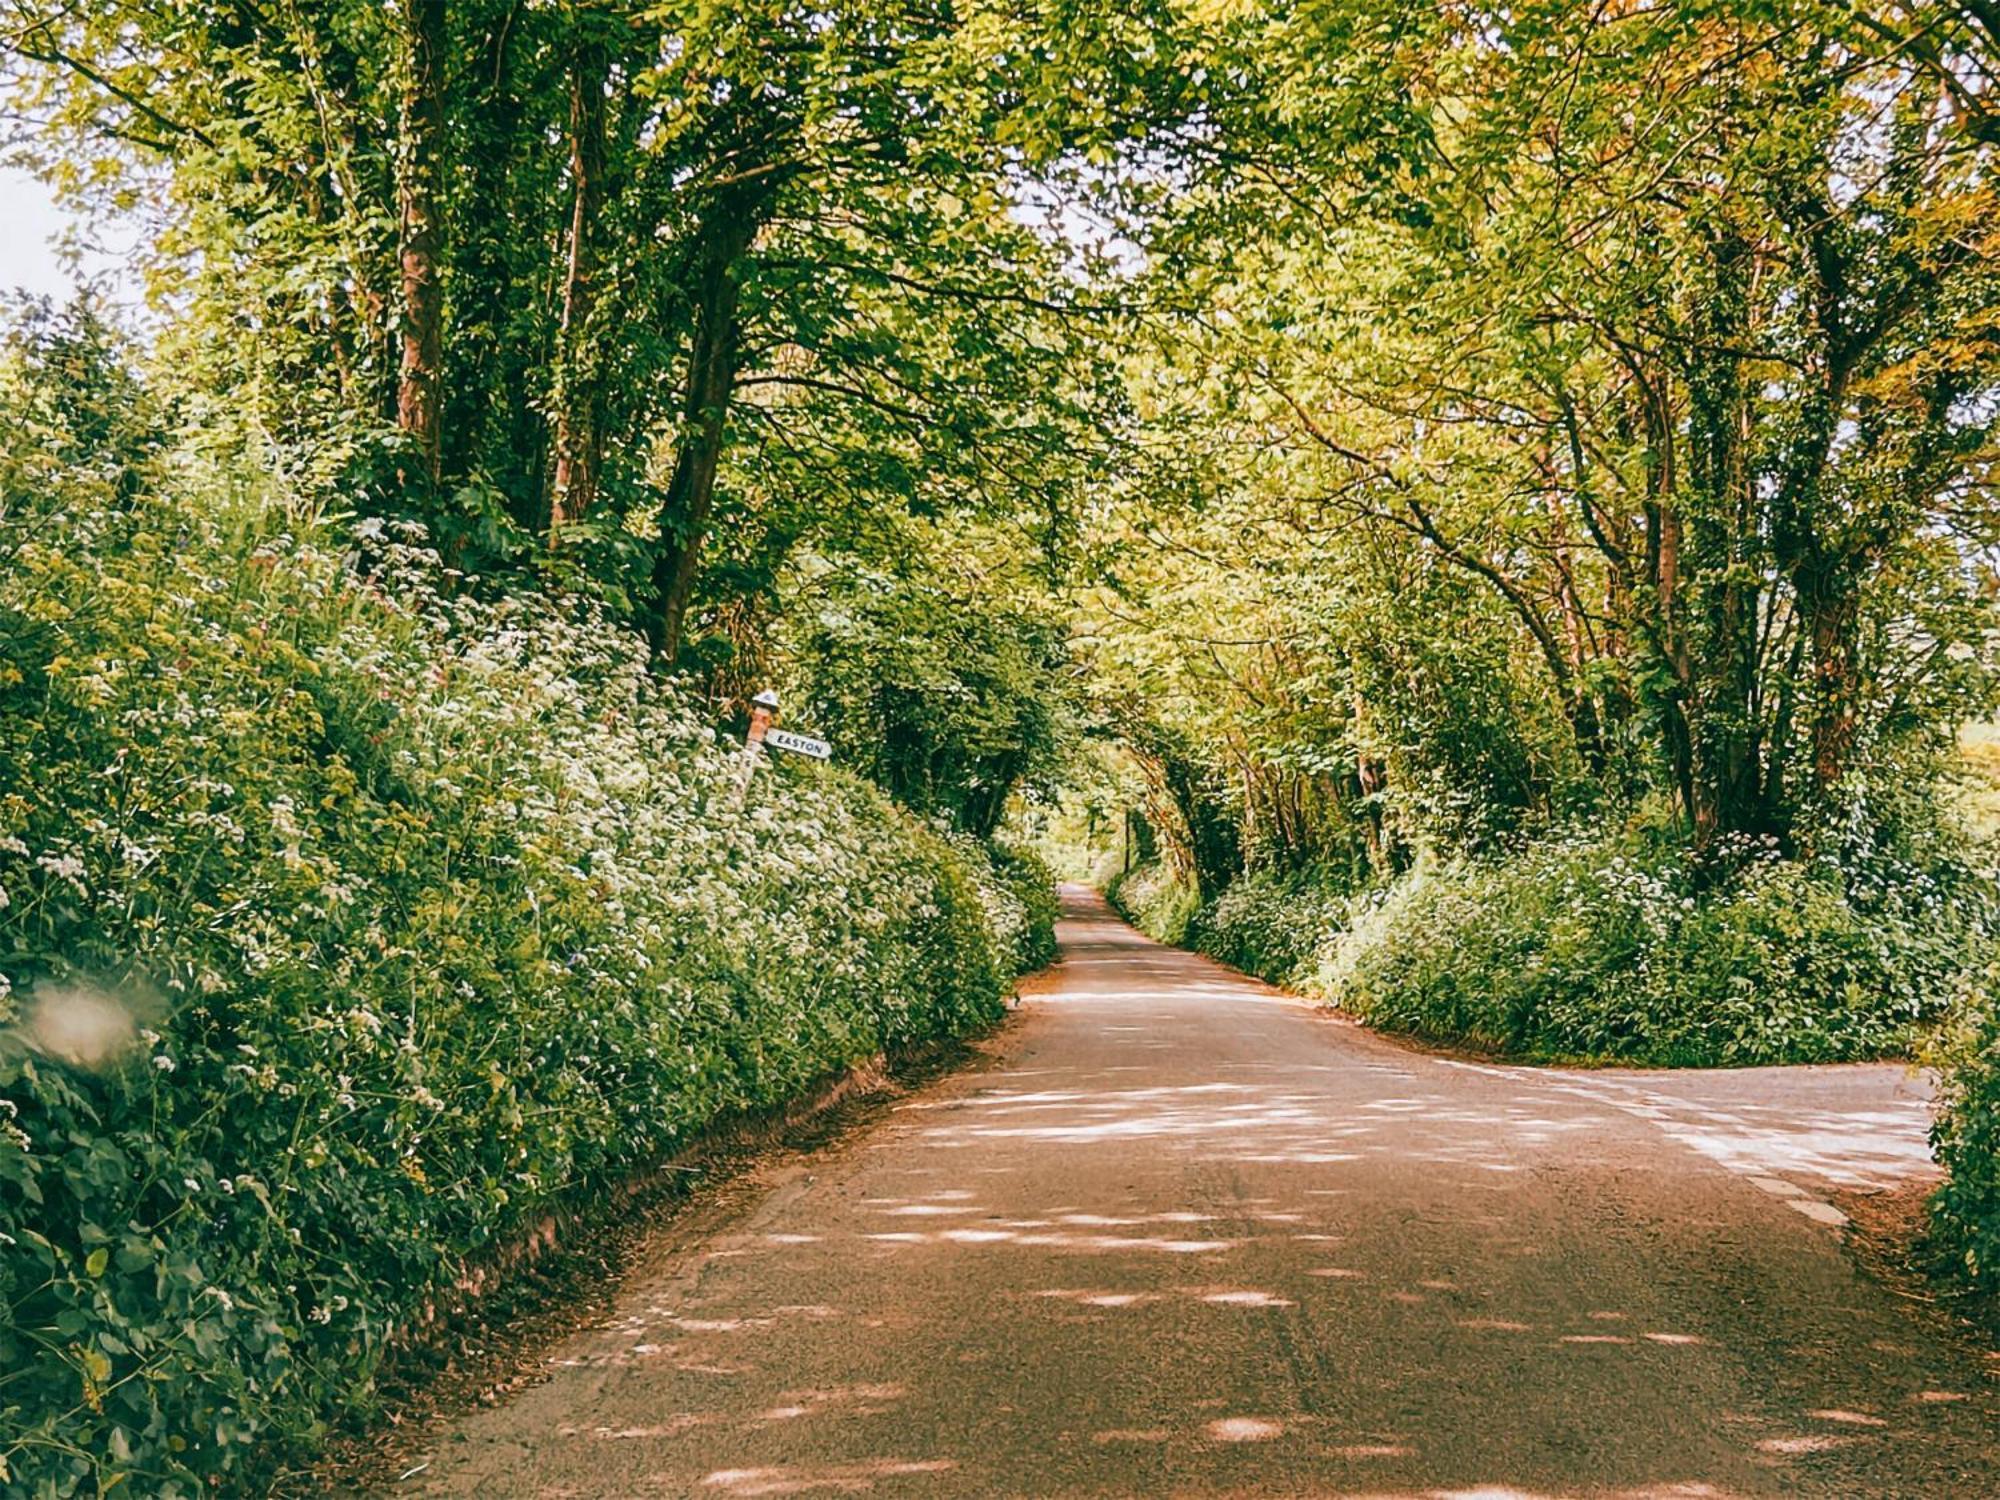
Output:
x=763 y=709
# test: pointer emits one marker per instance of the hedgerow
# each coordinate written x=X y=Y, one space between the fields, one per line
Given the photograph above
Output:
x=1609 y=945
x=1025 y=908
x=348 y=925
x=1966 y=1210
x=1601 y=946
x=1272 y=923
x=1156 y=899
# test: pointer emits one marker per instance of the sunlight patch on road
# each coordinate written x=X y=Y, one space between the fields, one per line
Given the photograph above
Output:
x=1817 y=1442
x=1087 y=1298
x=1244 y=1430
x=847 y=1477
x=1245 y=1297
x=1849 y=1418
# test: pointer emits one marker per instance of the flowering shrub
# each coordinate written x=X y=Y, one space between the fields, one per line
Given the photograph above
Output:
x=1600 y=946
x=347 y=925
x=1018 y=892
x=1273 y=923
x=1608 y=946
x=1157 y=900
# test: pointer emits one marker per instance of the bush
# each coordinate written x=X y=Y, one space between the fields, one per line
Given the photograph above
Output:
x=1965 y=1214
x=1156 y=899
x=1607 y=945
x=1018 y=892
x=349 y=924
x=1602 y=947
x=1272 y=923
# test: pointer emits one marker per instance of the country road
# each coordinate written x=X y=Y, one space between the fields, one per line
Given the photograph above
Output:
x=1184 y=1236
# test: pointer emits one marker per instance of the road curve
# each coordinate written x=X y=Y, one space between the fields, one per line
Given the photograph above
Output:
x=1184 y=1236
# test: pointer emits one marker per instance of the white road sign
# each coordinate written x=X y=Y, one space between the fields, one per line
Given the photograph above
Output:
x=798 y=744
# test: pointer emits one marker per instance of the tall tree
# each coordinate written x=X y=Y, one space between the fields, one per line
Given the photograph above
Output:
x=420 y=242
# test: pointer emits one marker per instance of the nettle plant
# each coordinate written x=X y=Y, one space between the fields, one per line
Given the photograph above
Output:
x=350 y=923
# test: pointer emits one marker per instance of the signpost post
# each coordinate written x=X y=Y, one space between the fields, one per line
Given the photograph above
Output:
x=763 y=709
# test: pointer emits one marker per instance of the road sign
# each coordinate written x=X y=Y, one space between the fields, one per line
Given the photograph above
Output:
x=798 y=744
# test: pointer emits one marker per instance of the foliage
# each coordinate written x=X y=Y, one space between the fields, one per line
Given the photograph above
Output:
x=675 y=284
x=1966 y=1210
x=1157 y=899
x=348 y=923
x=949 y=698
x=1518 y=477
x=1618 y=947
x=1273 y=923
x=1018 y=892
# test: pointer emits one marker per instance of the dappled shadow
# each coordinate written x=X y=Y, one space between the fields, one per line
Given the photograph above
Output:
x=1191 y=1240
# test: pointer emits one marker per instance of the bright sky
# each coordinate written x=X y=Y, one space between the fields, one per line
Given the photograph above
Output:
x=31 y=229
x=29 y=224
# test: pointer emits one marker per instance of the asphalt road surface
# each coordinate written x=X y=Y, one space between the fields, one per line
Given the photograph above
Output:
x=1183 y=1236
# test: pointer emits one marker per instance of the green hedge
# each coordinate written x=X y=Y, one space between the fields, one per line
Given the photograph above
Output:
x=1966 y=1210
x=347 y=926
x=1604 y=945
x=1273 y=923
x=1033 y=885
x=1157 y=900
x=1598 y=947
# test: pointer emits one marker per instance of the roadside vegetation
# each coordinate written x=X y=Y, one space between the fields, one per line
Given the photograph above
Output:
x=354 y=924
x=1486 y=518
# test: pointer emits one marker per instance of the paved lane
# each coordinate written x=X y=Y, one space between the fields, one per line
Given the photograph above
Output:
x=1183 y=1236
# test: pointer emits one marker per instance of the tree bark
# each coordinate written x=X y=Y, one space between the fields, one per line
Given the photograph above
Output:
x=712 y=367
x=1832 y=618
x=578 y=440
x=420 y=382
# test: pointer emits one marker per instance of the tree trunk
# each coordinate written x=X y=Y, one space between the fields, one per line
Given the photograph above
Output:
x=1214 y=847
x=494 y=416
x=1832 y=618
x=579 y=443
x=711 y=378
x=420 y=383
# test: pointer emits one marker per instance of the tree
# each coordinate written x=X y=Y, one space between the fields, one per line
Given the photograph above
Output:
x=1696 y=393
x=825 y=208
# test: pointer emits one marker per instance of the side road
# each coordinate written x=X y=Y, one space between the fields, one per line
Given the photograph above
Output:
x=1185 y=1236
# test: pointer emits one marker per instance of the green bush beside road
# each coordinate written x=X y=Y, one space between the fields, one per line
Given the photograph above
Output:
x=349 y=925
x=1607 y=948
x=1156 y=899
x=1966 y=1210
